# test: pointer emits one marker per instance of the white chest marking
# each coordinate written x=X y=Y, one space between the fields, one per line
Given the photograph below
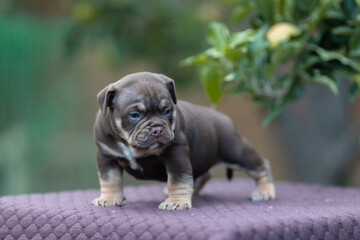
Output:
x=110 y=151
x=124 y=152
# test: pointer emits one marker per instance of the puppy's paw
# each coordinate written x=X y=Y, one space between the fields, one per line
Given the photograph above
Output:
x=175 y=204
x=108 y=200
x=264 y=191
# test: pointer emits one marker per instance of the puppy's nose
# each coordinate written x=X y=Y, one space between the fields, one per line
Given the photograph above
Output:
x=157 y=131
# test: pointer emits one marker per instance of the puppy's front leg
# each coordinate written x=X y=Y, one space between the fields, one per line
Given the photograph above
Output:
x=180 y=194
x=180 y=183
x=111 y=183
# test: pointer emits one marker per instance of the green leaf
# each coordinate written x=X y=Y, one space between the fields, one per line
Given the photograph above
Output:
x=354 y=43
x=318 y=13
x=335 y=14
x=241 y=38
x=236 y=55
x=260 y=43
x=308 y=63
x=318 y=78
x=211 y=80
x=326 y=81
x=218 y=34
x=342 y=30
x=327 y=56
x=193 y=60
x=286 y=51
x=273 y=112
x=214 y=53
x=230 y=77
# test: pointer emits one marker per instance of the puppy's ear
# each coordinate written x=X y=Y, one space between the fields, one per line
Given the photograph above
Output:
x=170 y=84
x=106 y=98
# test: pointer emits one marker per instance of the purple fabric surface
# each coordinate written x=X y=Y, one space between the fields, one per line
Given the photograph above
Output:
x=222 y=211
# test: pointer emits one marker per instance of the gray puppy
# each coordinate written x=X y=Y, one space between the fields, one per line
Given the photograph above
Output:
x=142 y=128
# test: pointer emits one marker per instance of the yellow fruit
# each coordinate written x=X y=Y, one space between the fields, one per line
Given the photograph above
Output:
x=281 y=32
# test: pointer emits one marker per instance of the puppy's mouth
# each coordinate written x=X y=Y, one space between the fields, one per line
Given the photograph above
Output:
x=156 y=144
x=148 y=147
x=146 y=141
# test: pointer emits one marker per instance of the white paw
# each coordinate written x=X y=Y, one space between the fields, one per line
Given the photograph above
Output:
x=108 y=200
x=263 y=192
x=175 y=204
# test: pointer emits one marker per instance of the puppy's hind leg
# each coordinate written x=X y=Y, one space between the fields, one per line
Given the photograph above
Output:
x=242 y=155
x=200 y=182
x=265 y=189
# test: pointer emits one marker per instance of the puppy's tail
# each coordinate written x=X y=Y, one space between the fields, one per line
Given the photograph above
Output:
x=229 y=173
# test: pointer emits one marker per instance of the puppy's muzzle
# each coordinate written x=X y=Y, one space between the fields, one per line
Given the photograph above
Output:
x=153 y=135
x=157 y=131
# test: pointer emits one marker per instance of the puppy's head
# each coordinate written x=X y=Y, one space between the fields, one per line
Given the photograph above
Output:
x=140 y=109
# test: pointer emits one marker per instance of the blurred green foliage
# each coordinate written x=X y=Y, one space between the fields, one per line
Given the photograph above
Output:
x=30 y=112
x=161 y=31
x=288 y=45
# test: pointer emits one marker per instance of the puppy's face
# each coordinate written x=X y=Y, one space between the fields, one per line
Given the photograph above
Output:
x=141 y=110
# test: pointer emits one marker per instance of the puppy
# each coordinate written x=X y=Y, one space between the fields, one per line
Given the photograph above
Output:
x=142 y=128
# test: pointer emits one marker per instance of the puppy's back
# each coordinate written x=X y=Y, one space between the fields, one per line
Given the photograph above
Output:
x=205 y=129
x=204 y=117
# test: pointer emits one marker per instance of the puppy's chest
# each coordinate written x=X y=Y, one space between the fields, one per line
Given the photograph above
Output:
x=151 y=168
x=147 y=168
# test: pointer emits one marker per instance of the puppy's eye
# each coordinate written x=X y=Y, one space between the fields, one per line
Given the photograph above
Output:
x=135 y=115
x=167 y=111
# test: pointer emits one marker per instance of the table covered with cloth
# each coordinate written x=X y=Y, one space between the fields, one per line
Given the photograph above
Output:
x=221 y=211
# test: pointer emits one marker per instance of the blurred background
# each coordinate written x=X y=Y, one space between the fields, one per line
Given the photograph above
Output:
x=55 y=56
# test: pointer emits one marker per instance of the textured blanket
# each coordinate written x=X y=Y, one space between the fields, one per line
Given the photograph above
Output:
x=222 y=211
